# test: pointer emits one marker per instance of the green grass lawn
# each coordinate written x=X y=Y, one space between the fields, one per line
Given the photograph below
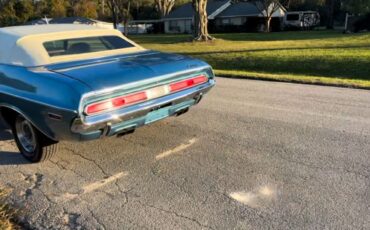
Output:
x=327 y=57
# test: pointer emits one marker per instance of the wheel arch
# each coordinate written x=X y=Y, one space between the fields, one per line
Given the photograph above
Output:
x=8 y=112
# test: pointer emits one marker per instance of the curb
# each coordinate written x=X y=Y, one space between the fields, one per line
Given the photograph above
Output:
x=295 y=82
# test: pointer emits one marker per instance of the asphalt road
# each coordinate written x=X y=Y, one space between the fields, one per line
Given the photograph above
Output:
x=252 y=155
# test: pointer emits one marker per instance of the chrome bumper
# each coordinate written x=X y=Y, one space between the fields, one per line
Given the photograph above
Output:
x=85 y=124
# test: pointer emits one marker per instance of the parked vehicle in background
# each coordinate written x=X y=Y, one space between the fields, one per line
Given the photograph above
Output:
x=303 y=20
x=77 y=82
x=357 y=23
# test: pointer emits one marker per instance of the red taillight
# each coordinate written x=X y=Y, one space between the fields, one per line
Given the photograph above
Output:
x=188 y=83
x=116 y=102
x=134 y=98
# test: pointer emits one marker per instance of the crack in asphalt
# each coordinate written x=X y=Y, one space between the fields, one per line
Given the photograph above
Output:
x=95 y=163
x=124 y=192
x=180 y=187
x=97 y=219
x=61 y=167
x=177 y=215
x=88 y=159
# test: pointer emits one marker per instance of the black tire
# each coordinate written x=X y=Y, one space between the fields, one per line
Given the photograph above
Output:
x=42 y=147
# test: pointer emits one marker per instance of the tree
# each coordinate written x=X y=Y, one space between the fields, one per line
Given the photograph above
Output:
x=24 y=10
x=330 y=6
x=41 y=9
x=120 y=10
x=145 y=9
x=8 y=15
x=164 y=6
x=58 y=8
x=267 y=8
x=13 y=12
x=85 y=8
x=201 y=21
x=356 y=6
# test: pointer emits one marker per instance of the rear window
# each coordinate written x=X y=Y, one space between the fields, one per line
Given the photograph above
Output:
x=292 y=17
x=85 y=45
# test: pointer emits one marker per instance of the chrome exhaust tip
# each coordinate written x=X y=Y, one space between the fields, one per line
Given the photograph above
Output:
x=198 y=98
x=181 y=112
x=125 y=132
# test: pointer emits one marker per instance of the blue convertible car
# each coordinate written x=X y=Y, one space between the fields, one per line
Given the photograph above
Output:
x=74 y=82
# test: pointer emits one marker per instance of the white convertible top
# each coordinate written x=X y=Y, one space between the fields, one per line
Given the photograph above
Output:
x=23 y=45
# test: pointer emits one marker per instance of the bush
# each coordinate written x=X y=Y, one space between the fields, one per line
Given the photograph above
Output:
x=6 y=213
x=363 y=23
x=357 y=24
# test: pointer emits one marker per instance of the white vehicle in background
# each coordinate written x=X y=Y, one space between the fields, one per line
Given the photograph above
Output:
x=304 y=20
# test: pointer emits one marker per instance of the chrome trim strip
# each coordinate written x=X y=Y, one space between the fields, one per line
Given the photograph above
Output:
x=40 y=103
x=91 y=123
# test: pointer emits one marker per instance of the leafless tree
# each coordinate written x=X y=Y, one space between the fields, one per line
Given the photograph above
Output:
x=164 y=6
x=201 y=21
x=120 y=10
x=267 y=8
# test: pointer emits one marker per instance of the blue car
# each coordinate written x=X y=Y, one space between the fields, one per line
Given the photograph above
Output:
x=74 y=82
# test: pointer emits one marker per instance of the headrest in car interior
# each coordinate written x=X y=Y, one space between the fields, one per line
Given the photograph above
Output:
x=79 y=48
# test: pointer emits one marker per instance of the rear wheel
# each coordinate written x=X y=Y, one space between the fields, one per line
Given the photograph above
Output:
x=32 y=144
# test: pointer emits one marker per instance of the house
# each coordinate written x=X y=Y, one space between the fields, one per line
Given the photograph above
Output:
x=181 y=19
x=223 y=16
x=246 y=17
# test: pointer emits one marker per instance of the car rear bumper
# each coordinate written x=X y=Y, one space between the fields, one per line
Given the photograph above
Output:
x=129 y=118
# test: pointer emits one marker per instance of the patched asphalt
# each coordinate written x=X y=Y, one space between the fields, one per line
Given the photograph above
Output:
x=251 y=155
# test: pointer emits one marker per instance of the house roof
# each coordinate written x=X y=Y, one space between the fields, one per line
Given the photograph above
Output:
x=243 y=9
x=240 y=9
x=186 y=11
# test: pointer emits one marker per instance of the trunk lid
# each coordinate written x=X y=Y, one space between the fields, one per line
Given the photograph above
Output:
x=149 y=67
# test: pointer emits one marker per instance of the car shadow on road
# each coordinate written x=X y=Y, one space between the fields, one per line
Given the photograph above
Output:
x=12 y=158
x=6 y=157
x=5 y=134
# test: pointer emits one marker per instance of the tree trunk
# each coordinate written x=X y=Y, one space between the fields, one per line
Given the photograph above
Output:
x=196 y=19
x=330 y=4
x=268 y=25
x=114 y=15
x=201 y=21
x=126 y=19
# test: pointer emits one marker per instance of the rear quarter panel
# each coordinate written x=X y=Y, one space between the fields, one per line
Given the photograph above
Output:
x=36 y=93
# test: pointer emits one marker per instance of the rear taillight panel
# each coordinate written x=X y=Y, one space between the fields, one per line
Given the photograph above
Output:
x=116 y=102
x=188 y=83
x=138 y=97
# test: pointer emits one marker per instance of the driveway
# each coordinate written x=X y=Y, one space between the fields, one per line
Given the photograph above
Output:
x=252 y=155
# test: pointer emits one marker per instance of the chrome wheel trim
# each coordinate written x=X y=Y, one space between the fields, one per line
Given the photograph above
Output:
x=26 y=135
